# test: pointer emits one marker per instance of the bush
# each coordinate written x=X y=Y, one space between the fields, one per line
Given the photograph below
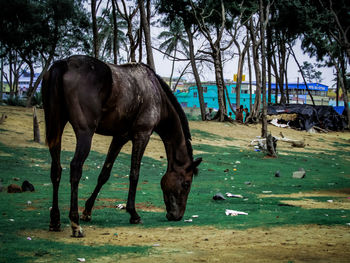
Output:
x=15 y=101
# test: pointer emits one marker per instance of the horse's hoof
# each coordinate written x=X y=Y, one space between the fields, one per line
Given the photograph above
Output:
x=55 y=227
x=136 y=221
x=77 y=233
x=85 y=217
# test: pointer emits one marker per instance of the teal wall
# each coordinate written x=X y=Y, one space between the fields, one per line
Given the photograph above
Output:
x=190 y=98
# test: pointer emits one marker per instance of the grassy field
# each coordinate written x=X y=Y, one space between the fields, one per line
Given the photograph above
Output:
x=287 y=218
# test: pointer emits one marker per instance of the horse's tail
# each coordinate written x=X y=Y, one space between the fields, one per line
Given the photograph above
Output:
x=53 y=102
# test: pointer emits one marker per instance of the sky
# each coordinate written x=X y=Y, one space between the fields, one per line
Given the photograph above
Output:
x=163 y=68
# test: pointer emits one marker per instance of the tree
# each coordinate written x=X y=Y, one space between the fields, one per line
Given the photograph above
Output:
x=134 y=36
x=176 y=36
x=60 y=28
x=181 y=9
x=110 y=43
x=145 y=23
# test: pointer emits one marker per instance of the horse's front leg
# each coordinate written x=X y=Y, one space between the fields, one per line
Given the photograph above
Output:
x=81 y=152
x=114 y=149
x=138 y=148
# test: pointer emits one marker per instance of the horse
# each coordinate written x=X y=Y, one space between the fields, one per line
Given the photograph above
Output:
x=127 y=102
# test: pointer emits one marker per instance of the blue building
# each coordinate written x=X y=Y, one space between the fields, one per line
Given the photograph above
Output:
x=188 y=97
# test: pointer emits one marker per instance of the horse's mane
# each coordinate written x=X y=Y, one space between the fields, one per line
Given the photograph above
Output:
x=178 y=109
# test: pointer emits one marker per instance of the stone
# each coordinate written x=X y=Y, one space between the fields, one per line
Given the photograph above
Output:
x=14 y=188
x=219 y=196
x=299 y=174
x=26 y=186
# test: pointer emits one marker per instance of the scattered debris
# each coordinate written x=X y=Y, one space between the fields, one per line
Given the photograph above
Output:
x=330 y=201
x=230 y=212
x=81 y=259
x=188 y=220
x=14 y=188
x=26 y=186
x=121 y=206
x=16 y=178
x=29 y=238
x=247 y=183
x=29 y=203
x=305 y=117
x=299 y=174
x=195 y=216
x=232 y=195
x=219 y=196
x=266 y=192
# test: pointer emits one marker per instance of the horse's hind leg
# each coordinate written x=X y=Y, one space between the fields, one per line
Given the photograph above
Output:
x=113 y=152
x=56 y=171
x=81 y=152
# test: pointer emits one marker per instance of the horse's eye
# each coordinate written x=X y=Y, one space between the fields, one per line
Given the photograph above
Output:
x=186 y=185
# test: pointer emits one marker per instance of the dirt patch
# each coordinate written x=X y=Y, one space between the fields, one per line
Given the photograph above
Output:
x=345 y=192
x=20 y=121
x=311 y=243
x=313 y=204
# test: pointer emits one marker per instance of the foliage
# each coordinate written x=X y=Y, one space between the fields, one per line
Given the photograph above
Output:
x=105 y=35
x=15 y=101
x=310 y=72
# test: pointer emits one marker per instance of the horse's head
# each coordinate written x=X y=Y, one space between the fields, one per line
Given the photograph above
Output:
x=176 y=187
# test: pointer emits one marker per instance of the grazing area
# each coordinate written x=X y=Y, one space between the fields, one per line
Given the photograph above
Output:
x=285 y=219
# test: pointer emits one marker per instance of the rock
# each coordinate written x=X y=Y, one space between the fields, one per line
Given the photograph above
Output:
x=14 y=188
x=277 y=174
x=26 y=186
x=219 y=196
x=15 y=178
x=299 y=174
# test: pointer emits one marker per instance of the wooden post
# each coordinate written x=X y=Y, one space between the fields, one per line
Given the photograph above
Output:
x=36 y=127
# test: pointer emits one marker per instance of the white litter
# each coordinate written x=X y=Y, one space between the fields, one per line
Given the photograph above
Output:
x=81 y=259
x=266 y=192
x=230 y=212
x=330 y=201
x=120 y=206
x=232 y=195
x=195 y=216
x=237 y=162
x=275 y=123
x=188 y=220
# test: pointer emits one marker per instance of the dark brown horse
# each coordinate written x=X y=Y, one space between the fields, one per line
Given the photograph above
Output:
x=127 y=102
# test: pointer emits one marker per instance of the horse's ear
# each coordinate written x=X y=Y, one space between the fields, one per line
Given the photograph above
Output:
x=195 y=164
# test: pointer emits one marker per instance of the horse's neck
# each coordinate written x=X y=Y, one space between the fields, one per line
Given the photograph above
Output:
x=175 y=143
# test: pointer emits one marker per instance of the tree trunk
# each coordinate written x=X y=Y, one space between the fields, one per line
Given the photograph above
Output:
x=342 y=84
x=269 y=62
x=219 y=84
x=94 y=28
x=2 y=79
x=33 y=89
x=250 y=83
x=195 y=72
x=240 y=73
x=115 y=33
x=147 y=32
x=172 y=68
x=263 y=69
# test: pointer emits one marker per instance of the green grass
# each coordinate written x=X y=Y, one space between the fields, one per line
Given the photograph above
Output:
x=324 y=171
